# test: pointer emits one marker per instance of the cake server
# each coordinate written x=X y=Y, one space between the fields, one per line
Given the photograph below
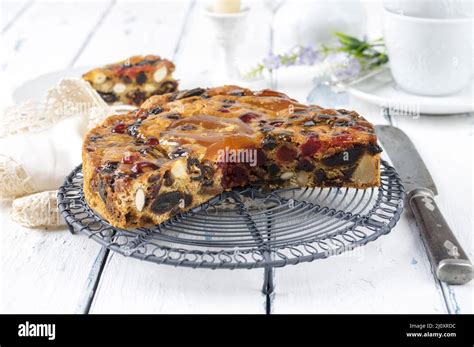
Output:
x=446 y=255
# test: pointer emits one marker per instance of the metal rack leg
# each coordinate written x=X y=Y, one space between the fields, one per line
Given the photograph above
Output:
x=71 y=229
x=268 y=285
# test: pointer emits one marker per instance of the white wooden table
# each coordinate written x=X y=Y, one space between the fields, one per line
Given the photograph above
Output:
x=56 y=272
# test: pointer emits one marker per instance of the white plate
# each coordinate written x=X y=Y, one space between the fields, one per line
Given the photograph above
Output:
x=381 y=90
x=36 y=88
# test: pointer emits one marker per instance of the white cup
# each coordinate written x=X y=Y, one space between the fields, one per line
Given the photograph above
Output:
x=429 y=56
x=431 y=8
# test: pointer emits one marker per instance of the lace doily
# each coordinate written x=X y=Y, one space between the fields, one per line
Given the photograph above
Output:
x=36 y=210
x=14 y=181
x=69 y=97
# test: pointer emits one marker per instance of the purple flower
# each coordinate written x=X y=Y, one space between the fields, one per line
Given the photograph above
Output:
x=271 y=62
x=307 y=56
x=344 y=66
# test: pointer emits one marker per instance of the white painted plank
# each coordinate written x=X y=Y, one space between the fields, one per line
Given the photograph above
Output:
x=446 y=144
x=46 y=38
x=130 y=285
x=133 y=286
x=10 y=11
x=44 y=271
x=390 y=275
x=134 y=28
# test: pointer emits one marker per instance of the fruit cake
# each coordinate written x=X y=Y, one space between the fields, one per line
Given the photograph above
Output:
x=180 y=149
x=133 y=80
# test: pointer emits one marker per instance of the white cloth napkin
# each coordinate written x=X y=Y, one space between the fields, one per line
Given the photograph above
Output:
x=47 y=157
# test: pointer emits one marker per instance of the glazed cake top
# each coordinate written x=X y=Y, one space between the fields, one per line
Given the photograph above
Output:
x=199 y=122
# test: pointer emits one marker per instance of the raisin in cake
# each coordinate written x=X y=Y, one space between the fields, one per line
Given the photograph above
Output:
x=179 y=150
x=133 y=80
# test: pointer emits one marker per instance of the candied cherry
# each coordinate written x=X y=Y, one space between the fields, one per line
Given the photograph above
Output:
x=285 y=153
x=248 y=117
x=119 y=128
x=130 y=158
x=261 y=158
x=341 y=139
x=234 y=175
x=152 y=141
x=310 y=147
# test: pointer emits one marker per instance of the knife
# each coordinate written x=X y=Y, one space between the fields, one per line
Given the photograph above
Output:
x=446 y=255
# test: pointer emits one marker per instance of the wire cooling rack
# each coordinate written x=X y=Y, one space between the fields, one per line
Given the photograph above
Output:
x=249 y=228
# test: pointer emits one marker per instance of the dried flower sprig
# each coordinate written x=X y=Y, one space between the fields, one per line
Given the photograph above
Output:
x=346 y=60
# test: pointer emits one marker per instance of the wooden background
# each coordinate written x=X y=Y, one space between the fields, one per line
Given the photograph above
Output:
x=55 y=272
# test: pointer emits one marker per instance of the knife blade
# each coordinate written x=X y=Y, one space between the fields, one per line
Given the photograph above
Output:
x=449 y=261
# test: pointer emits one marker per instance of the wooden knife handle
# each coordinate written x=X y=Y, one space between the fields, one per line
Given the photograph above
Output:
x=446 y=254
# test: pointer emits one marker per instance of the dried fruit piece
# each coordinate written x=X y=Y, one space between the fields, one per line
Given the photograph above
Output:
x=373 y=148
x=152 y=141
x=248 y=117
x=273 y=170
x=141 y=78
x=143 y=166
x=102 y=189
x=276 y=123
x=319 y=176
x=166 y=202
x=130 y=158
x=168 y=179
x=231 y=142
x=119 y=128
x=310 y=147
x=155 y=110
x=173 y=116
x=286 y=153
x=137 y=97
x=346 y=157
x=195 y=169
x=108 y=97
x=168 y=87
x=208 y=175
x=304 y=165
x=269 y=142
x=234 y=175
